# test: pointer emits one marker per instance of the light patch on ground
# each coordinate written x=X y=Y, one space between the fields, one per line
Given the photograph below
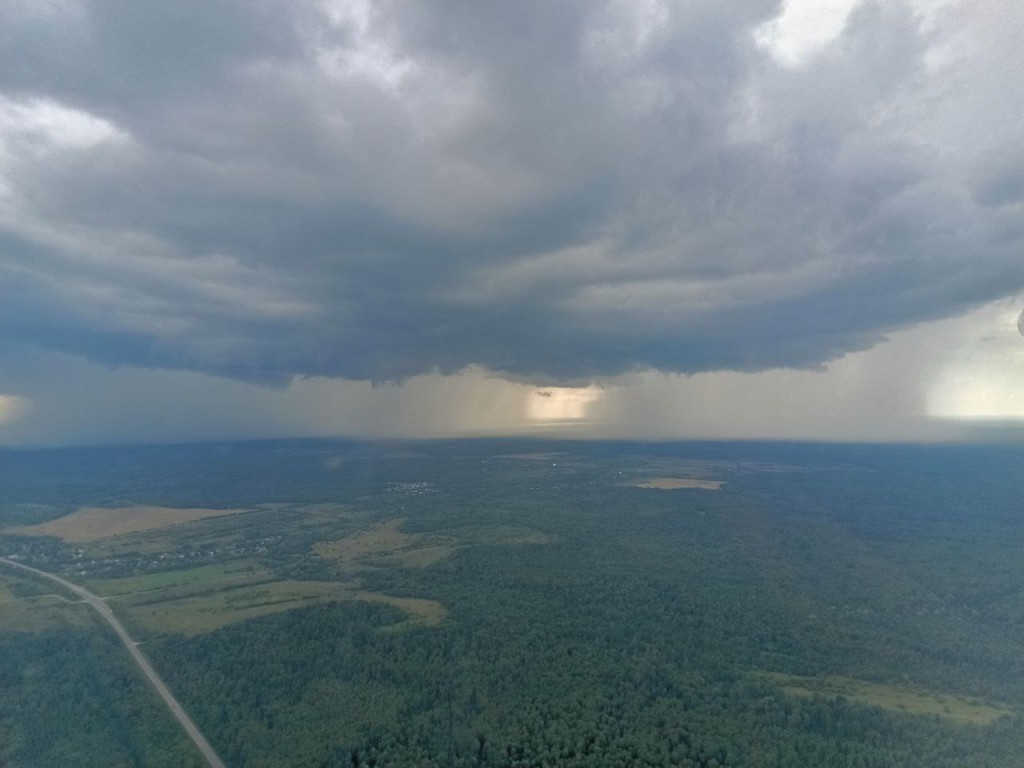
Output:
x=208 y=611
x=675 y=483
x=914 y=701
x=92 y=523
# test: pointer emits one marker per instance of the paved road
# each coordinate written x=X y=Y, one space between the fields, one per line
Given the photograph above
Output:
x=104 y=610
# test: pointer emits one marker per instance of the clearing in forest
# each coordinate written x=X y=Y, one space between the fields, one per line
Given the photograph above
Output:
x=675 y=483
x=386 y=544
x=92 y=523
x=914 y=701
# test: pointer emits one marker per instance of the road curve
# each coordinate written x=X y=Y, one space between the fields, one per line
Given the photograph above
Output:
x=103 y=609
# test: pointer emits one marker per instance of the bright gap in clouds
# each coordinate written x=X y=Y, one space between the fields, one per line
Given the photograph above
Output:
x=803 y=27
x=49 y=123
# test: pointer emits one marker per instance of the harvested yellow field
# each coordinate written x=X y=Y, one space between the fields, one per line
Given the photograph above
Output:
x=92 y=523
x=675 y=483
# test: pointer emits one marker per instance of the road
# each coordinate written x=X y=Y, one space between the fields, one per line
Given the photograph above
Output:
x=103 y=609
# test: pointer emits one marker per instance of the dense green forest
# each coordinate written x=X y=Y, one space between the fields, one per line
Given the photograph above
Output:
x=72 y=698
x=513 y=603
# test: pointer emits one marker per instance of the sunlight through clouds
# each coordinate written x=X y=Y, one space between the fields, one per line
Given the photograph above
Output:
x=51 y=123
x=984 y=378
x=13 y=407
x=556 y=404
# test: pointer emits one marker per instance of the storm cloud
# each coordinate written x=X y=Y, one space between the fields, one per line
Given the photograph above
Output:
x=552 y=192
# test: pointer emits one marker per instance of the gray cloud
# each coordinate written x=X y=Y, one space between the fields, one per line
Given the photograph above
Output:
x=555 y=192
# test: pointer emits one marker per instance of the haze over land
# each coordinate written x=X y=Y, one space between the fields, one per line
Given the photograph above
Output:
x=513 y=602
x=739 y=218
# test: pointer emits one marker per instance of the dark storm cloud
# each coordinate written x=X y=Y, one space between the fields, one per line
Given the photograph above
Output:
x=554 y=191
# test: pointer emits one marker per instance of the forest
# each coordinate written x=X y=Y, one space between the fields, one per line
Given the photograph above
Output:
x=520 y=603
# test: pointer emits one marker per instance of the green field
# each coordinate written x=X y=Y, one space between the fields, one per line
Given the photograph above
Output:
x=27 y=606
x=960 y=708
x=201 y=577
x=211 y=610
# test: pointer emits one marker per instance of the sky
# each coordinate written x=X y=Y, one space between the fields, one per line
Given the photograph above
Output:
x=642 y=219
